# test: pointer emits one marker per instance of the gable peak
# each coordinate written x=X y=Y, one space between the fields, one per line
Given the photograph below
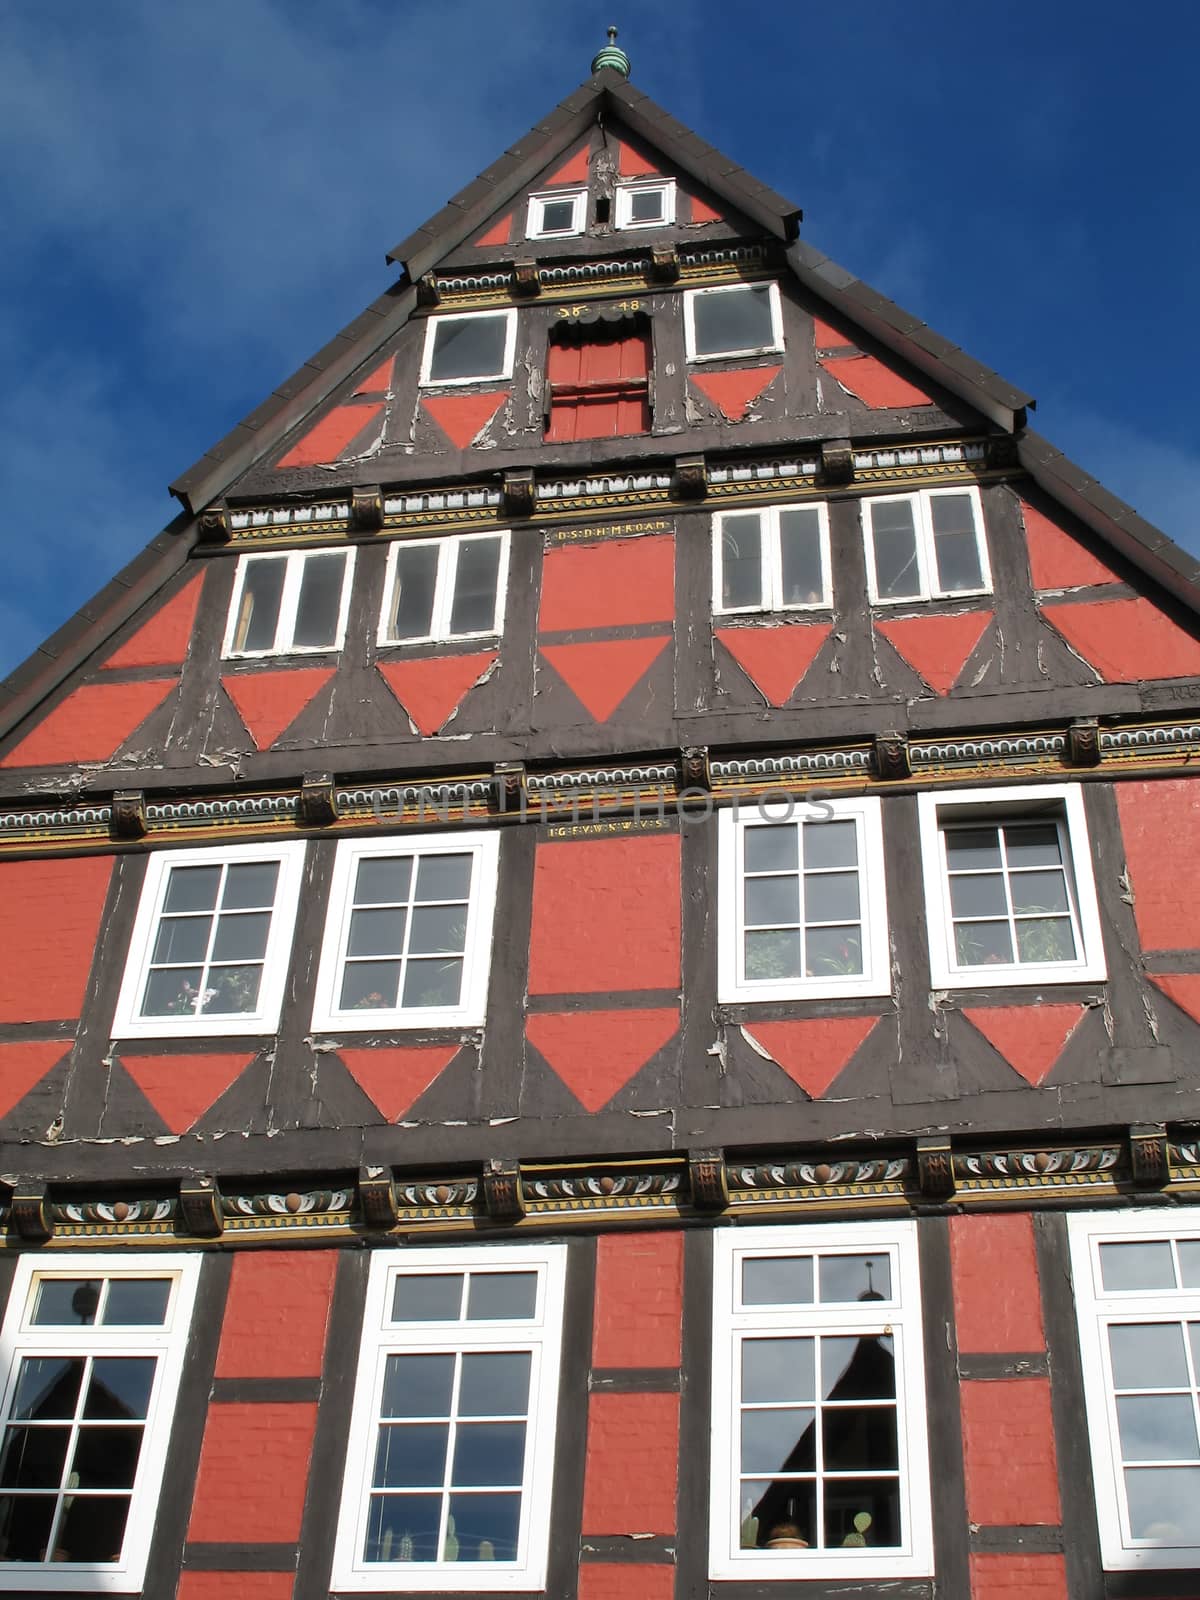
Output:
x=611 y=55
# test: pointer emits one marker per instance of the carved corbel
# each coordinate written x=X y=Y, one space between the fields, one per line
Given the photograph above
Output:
x=429 y=292
x=377 y=1197
x=317 y=805
x=935 y=1168
x=29 y=1213
x=691 y=477
x=509 y=792
x=1148 y=1164
x=517 y=491
x=525 y=278
x=128 y=814
x=1083 y=742
x=366 y=509
x=502 y=1195
x=709 y=1179
x=200 y=1206
x=213 y=525
x=664 y=263
x=891 y=756
x=837 y=461
x=694 y=770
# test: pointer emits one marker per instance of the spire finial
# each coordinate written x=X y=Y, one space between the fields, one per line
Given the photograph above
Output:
x=611 y=56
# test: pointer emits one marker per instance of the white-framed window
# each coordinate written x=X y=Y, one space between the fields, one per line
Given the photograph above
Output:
x=469 y=347
x=90 y=1356
x=736 y=319
x=289 y=604
x=449 y=1469
x=646 y=203
x=558 y=214
x=803 y=908
x=409 y=935
x=211 y=941
x=1009 y=892
x=449 y=588
x=929 y=545
x=820 y=1461
x=1137 y=1295
x=776 y=559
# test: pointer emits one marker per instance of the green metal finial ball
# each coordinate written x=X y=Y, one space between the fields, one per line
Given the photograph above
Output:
x=611 y=56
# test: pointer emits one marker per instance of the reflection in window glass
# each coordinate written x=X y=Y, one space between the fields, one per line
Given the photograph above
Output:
x=468 y=347
x=733 y=321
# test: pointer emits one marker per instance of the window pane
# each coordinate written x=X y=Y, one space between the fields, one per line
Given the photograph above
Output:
x=242 y=937
x=800 y=557
x=831 y=897
x=860 y=1439
x=468 y=347
x=981 y=944
x=476 y=583
x=1045 y=939
x=858 y=1368
x=382 y=880
x=830 y=844
x=778 y=1369
x=495 y=1384
x=173 y=993
x=1157 y=1427
x=777 y=1281
x=1164 y=1503
x=403 y=1527
x=25 y=1523
x=433 y=1298
x=772 y=901
x=834 y=952
x=895 y=542
x=33 y=1458
x=862 y=1511
x=859 y=1277
x=120 y=1388
x=978 y=894
x=1148 y=1355
x=733 y=320
x=92 y=1529
x=192 y=889
x=410 y=614
x=181 y=940
x=646 y=205
x=443 y=878
x=106 y=1458
x=411 y=1456
x=1189 y=1263
x=778 y=1441
x=1032 y=844
x=320 y=601
x=432 y=982
x=67 y=1302
x=250 y=886
x=779 y=1516
x=140 y=1302
x=47 y=1388
x=489 y=1455
x=741 y=561
x=417 y=1386
x=558 y=216
x=483 y=1527
x=377 y=933
x=955 y=546
x=258 y=605
x=771 y=849
x=370 y=986
x=773 y=955
x=501 y=1296
x=231 y=991
x=438 y=930
x=973 y=849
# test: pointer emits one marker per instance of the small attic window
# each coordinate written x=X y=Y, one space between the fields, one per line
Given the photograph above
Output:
x=646 y=205
x=470 y=348
x=558 y=215
x=737 y=319
x=598 y=380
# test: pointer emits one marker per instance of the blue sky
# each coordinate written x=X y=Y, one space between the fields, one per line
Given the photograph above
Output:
x=198 y=196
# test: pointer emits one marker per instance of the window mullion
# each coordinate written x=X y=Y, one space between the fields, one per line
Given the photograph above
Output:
x=447 y=578
x=206 y=965
x=772 y=560
x=927 y=568
x=289 y=601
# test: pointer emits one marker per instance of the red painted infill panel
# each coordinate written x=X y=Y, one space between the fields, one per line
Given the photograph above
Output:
x=937 y=647
x=277 y=1314
x=631 y=164
x=703 y=212
x=1181 y=987
x=497 y=234
x=463 y=417
x=379 y=381
x=606 y=915
x=432 y=689
x=1058 y=561
x=163 y=640
x=610 y=584
x=1008 y=1452
x=1012 y=1577
x=775 y=658
x=329 y=438
x=90 y=725
x=195 y=1585
x=1127 y=641
x=812 y=1052
x=1030 y=1038
x=638 y=1317
x=48 y=935
x=601 y=676
x=596 y=1053
x=394 y=1079
x=733 y=393
x=182 y=1088
x=575 y=170
x=253 y=1473
x=874 y=384
x=24 y=1065
x=988 y=1251
x=827 y=337
x=625 y=1580
x=1165 y=880
x=632 y=1464
x=269 y=702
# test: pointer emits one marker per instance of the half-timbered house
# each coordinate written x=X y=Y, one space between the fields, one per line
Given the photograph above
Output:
x=600 y=969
